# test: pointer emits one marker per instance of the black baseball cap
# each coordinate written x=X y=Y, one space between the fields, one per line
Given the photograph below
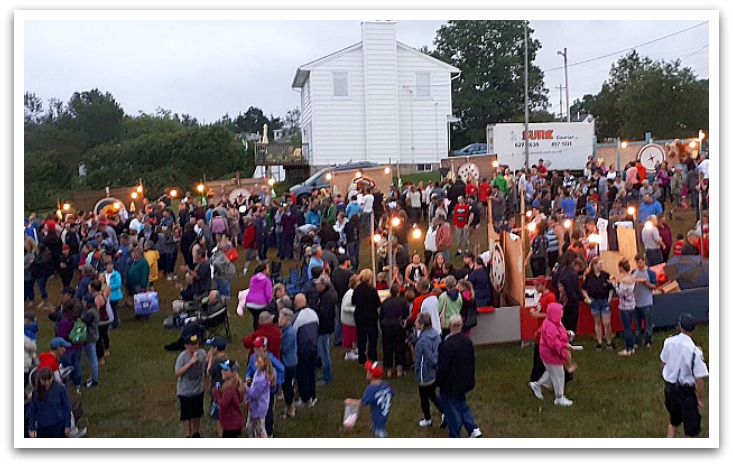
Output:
x=687 y=322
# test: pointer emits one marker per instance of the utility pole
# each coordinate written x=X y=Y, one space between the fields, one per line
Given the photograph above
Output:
x=561 y=88
x=564 y=54
x=526 y=100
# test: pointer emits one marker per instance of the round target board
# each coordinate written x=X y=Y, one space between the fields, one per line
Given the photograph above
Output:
x=234 y=194
x=468 y=170
x=498 y=267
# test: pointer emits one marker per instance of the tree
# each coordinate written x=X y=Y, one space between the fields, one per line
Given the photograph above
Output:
x=643 y=95
x=292 y=126
x=96 y=114
x=490 y=88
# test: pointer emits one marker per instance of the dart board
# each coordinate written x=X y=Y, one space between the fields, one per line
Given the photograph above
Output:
x=468 y=170
x=234 y=193
x=650 y=155
x=498 y=268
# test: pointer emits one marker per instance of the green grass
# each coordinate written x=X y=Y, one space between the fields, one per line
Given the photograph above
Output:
x=614 y=396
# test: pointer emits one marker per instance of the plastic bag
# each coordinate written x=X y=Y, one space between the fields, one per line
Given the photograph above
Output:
x=351 y=414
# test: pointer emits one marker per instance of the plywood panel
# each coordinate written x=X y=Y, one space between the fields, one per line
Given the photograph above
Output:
x=514 y=259
x=627 y=242
x=610 y=261
x=497 y=327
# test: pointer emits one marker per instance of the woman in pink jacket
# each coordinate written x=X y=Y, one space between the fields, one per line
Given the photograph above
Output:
x=260 y=291
x=555 y=353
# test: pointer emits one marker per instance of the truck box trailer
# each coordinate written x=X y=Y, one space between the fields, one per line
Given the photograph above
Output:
x=564 y=145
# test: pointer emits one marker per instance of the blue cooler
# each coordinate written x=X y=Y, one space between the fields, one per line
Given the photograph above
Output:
x=146 y=303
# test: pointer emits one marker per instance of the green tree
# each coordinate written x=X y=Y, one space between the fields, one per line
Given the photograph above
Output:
x=643 y=95
x=490 y=89
x=98 y=115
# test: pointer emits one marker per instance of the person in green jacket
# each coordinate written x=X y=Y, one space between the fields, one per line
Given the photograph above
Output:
x=449 y=303
x=139 y=273
x=329 y=212
x=500 y=182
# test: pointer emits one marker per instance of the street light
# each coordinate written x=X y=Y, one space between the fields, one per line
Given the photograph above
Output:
x=329 y=176
x=271 y=182
x=377 y=238
x=66 y=206
x=200 y=188
x=133 y=194
x=395 y=222
x=693 y=144
x=416 y=232
x=116 y=205
x=495 y=164
x=567 y=223
x=387 y=170
x=531 y=226
x=174 y=192
x=624 y=144
x=358 y=174
x=631 y=210
x=529 y=213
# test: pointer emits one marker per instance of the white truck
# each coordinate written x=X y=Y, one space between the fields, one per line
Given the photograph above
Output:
x=563 y=145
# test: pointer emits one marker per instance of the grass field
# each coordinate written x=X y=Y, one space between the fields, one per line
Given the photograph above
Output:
x=614 y=396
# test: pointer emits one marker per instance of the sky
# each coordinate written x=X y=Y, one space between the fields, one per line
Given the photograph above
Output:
x=210 y=68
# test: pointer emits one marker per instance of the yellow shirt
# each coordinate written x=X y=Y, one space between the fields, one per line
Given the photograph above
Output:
x=152 y=256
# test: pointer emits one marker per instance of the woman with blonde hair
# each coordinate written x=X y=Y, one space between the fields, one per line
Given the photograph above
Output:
x=366 y=315
x=597 y=291
x=624 y=284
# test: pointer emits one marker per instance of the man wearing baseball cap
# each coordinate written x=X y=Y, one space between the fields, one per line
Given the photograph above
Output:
x=683 y=372
x=260 y=345
x=51 y=359
x=190 y=371
x=378 y=395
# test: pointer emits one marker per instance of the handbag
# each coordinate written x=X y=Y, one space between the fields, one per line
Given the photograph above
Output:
x=78 y=333
x=470 y=320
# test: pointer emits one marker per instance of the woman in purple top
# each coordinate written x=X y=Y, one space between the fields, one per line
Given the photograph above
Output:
x=258 y=396
x=260 y=292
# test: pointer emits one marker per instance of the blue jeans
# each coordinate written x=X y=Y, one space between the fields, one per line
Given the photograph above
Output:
x=337 y=333
x=91 y=350
x=72 y=358
x=114 y=304
x=457 y=414
x=287 y=246
x=324 y=352
x=626 y=318
x=279 y=243
x=599 y=306
x=28 y=294
x=224 y=287
x=353 y=250
x=262 y=247
x=42 y=286
x=643 y=313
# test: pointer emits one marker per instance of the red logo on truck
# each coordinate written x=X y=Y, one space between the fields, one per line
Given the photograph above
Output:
x=538 y=134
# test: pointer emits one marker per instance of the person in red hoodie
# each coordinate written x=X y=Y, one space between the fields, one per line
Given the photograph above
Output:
x=539 y=312
x=678 y=245
x=460 y=222
x=249 y=243
x=555 y=353
x=471 y=188
x=229 y=395
x=265 y=328
x=484 y=190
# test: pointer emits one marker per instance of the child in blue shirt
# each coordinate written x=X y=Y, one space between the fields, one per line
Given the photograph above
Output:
x=378 y=395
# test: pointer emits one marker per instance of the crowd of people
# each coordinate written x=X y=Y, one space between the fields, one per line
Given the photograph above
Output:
x=420 y=306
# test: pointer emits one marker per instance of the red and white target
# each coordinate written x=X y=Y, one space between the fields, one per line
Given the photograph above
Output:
x=498 y=268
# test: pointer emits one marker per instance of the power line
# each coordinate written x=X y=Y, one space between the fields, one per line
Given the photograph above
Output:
x=629 y=48
x=695 y=52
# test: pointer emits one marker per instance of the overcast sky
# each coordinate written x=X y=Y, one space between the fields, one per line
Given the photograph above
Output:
x=209 y=68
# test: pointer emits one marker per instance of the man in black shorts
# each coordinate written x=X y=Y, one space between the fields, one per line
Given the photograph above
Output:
x=190 y=370
x=683 y=372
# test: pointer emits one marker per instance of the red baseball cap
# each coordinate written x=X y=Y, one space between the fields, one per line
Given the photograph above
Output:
x=260 y=342
x=541 y=280
x=374 y=369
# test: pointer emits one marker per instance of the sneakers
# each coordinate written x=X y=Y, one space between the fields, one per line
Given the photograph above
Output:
x=90 y=383
x=244 y=272
x=169 y=278
x=312 y=402
x=537 y=390
x=610 y=347
x=648 y=346
x=78 y=433
x=425 y=423
x=626 y=352
x=443 y=422
x=351 y=356
x=476 y=433
x=562 y=401
x=599 y=346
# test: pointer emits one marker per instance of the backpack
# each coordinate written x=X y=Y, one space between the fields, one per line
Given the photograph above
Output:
x=539 y=247
x=223 y=268
x=78 y=333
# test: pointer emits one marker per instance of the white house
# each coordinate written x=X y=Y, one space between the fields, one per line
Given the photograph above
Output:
x=378 y=100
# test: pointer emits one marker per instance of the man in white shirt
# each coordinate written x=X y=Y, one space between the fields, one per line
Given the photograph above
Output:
x=683 y=372
x=136 y=223
x=704 y=167
x=367 y=208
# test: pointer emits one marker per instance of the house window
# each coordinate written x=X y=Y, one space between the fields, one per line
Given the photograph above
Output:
x=340 y=84
x=424 y=167
x=422 y=80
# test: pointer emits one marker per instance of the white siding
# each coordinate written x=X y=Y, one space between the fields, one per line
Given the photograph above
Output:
x=423 y=124
x=379 y=43
x=306 y=117
x=338 y=122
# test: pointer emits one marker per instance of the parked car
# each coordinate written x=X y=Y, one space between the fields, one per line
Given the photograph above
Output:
x=318 y=179
x=476 y=148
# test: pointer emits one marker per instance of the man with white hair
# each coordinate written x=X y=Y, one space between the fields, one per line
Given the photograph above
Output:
x=653 y=242
x=456 y=376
